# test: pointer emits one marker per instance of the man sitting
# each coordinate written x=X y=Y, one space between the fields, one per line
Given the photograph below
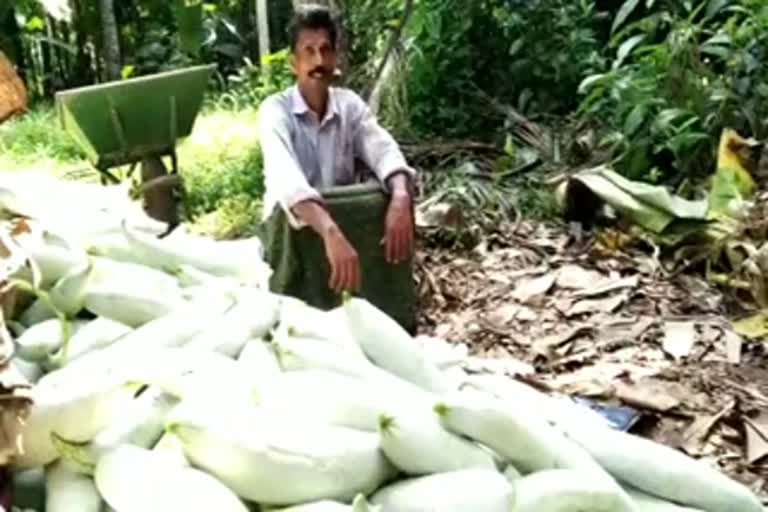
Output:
x=311 y=135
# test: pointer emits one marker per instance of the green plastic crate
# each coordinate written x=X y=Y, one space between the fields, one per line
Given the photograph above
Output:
x=301 y=267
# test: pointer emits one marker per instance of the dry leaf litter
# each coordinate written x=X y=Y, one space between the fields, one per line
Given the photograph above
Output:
x=574 y=315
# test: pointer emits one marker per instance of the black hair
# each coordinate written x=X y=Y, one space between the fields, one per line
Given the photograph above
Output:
x=313 y=17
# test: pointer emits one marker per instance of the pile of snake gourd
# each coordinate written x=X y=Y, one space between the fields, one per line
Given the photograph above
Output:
x=167 y=377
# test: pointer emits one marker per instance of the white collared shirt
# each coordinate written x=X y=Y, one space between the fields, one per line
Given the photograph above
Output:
x=302 y=156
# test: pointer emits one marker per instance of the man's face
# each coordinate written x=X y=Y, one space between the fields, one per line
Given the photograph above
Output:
x=314 y=59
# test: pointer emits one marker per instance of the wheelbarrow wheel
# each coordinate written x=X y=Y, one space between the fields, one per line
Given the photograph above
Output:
x=158 y=191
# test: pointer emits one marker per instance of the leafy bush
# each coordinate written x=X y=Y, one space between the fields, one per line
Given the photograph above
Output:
x=680 y=74
x=552 y=45
x=222 y=164
x=530 y=54
x=251 y=84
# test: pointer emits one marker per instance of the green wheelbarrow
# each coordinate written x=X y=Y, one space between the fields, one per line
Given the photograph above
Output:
x=137 y=120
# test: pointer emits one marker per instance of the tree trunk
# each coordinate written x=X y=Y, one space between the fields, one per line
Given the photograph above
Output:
x=387 y=65
x=111 y=40
x=262 y=21
x=84 y=73
x=46 y=49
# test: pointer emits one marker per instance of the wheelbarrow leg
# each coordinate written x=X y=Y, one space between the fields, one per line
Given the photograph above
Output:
x=158 y=191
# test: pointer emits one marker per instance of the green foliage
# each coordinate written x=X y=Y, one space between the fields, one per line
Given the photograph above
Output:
x=36 y=136
x=449 y=50
x=365 y=46
x=222 y=165
x=529 y=54
x=252 y=84
x=210 y=183
x=680 y=74
x=551 y=46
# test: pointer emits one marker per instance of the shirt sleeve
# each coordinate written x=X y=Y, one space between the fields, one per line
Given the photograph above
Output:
x=376 y=146
x=283 y=177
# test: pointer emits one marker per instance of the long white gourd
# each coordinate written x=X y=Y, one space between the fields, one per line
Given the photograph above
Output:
x=181 y=372
x=141 y=424
x=417 y=444
x=259 y=357
x=475 y=490
x=189 y=277
x=358 y=505
x=665 y=472
x=226 y=335
x=647 y=503
x=66 y=297
x=108 y=270
x=186 y=372
x=54 y=261
x=315 y=506
x=202 y=254
x=512 y=474
x=170 y=447
x=390 y=347
x=96 y=334
x=134 y=479
x=30 y=370
x=67 y=294
x=303 y=321
x=171 y=330
x=67 y=490
x=76 y=410
x=524 y=397
x=520 y=435
x=111 y=244
x=314 y=354
x=335 y=398
x=43 y=339
x=278 y=461
x=564 y=490
x=254 y=314
x=132 y=306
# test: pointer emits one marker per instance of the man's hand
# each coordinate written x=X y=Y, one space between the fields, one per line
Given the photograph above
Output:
x=398 y=235
x=345 y=264
x=342 y=257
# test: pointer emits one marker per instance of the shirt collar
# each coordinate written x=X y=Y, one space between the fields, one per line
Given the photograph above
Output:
x=300 y=106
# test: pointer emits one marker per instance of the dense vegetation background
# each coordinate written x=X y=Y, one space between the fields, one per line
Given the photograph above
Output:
x=486 y=96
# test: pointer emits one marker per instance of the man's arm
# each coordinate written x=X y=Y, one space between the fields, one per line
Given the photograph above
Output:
x=380 y=152
x=302 y=204
x=283 y=177
x=343 y=259
x=378 y=149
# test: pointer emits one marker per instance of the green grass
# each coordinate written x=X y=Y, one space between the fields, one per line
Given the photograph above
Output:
x=220 y=161
x=222 y=167
x=37 y=142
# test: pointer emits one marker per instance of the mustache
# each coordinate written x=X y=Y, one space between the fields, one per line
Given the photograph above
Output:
x=319 y=70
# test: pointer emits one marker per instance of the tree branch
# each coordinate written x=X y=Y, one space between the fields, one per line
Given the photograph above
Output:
x=393 y=40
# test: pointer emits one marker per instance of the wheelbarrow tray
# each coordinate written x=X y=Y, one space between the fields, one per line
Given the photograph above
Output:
x=121 y=122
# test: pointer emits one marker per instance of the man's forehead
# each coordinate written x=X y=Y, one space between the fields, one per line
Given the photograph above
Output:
x=313 y=37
